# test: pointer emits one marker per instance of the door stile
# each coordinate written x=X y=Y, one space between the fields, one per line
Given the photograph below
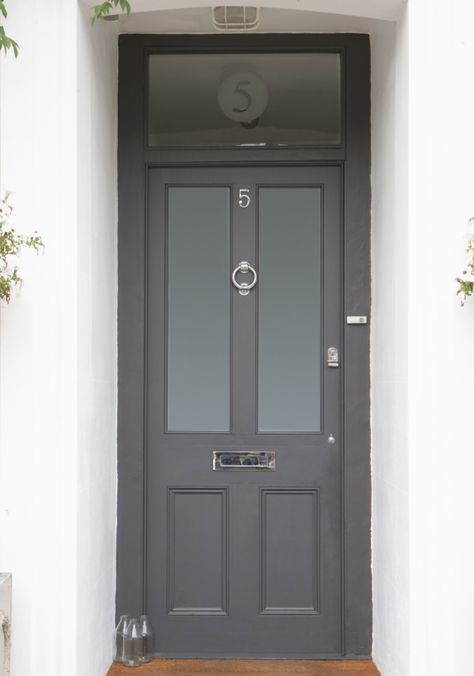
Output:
x=244 y=318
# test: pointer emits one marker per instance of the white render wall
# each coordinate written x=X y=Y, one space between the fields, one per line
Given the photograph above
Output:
x=58 y=342
x=422 y=349
x=389 y=340
x=440 y=338
x=97 y=347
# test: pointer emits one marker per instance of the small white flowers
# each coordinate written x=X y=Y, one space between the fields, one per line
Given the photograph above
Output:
x=5 y=210
x=466 y=279
x=10 y=246
x=468 y=275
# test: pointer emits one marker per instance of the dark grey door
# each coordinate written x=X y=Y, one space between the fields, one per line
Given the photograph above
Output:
x=243 y=552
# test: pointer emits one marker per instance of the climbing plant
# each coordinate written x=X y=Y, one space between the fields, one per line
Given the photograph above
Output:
x=466 y=278
x=6 y=42
x=104 y=8
x=98 y=11
x=11 y=245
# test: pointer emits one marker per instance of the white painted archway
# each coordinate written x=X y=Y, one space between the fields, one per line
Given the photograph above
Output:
x=387 y=10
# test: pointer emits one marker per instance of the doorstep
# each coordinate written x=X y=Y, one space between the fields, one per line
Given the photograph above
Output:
x=249 y=668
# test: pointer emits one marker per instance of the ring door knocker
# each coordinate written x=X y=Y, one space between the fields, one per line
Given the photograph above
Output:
x=243 y=287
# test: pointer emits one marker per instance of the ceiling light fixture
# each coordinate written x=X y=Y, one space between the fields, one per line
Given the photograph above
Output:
x=235 y=18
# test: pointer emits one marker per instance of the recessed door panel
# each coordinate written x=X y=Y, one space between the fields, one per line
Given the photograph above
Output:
x=197 y=576
x=290 y=541
x=243 y=496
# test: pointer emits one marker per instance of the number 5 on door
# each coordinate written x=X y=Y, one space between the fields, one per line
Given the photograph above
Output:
x=244 y=197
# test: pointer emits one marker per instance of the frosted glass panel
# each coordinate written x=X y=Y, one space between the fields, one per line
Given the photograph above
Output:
x=198 y=309
x=289 y=301
x=244 y=99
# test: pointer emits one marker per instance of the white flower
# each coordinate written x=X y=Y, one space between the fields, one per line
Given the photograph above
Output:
x=5 y=211
x=467 y=273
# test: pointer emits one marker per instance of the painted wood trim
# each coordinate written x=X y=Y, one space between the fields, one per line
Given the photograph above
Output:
x=356 y=355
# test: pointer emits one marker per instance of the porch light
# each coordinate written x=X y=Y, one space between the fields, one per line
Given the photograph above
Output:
x=235 y=18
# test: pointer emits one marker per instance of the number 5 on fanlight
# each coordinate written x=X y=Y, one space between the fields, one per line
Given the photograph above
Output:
x=244 y=197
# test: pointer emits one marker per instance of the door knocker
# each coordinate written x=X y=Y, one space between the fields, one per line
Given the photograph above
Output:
x=243 y=287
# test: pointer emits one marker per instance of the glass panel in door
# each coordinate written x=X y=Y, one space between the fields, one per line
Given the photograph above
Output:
x=289 y=309
x=198 y=341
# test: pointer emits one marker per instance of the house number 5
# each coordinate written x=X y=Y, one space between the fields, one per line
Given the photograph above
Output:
x=244 y=197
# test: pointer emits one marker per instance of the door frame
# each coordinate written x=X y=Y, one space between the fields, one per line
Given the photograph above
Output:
x=353 y=156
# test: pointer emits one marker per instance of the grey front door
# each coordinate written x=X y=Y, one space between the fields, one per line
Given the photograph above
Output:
x=243 y=415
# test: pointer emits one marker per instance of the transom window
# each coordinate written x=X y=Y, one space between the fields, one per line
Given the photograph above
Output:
x=262 y=99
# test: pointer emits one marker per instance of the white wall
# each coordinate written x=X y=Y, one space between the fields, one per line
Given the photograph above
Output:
x=97 y=352
x=58 y=342
x=441 y=338
x=423 y=357
x=389 y=338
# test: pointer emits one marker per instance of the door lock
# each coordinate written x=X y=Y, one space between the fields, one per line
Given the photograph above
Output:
x=333 y=357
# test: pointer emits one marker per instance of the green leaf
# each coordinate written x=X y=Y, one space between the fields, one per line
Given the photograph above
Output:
x=7 y=43
x=125 y=6
x=103 y=9
x=3 y=9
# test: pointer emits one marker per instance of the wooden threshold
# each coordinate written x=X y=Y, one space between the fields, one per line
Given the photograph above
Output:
x=249 y=668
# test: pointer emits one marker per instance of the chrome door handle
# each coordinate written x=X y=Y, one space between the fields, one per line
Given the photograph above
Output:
x=243 y=287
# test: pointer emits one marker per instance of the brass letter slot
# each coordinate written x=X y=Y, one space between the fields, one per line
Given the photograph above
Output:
x=243 y=460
